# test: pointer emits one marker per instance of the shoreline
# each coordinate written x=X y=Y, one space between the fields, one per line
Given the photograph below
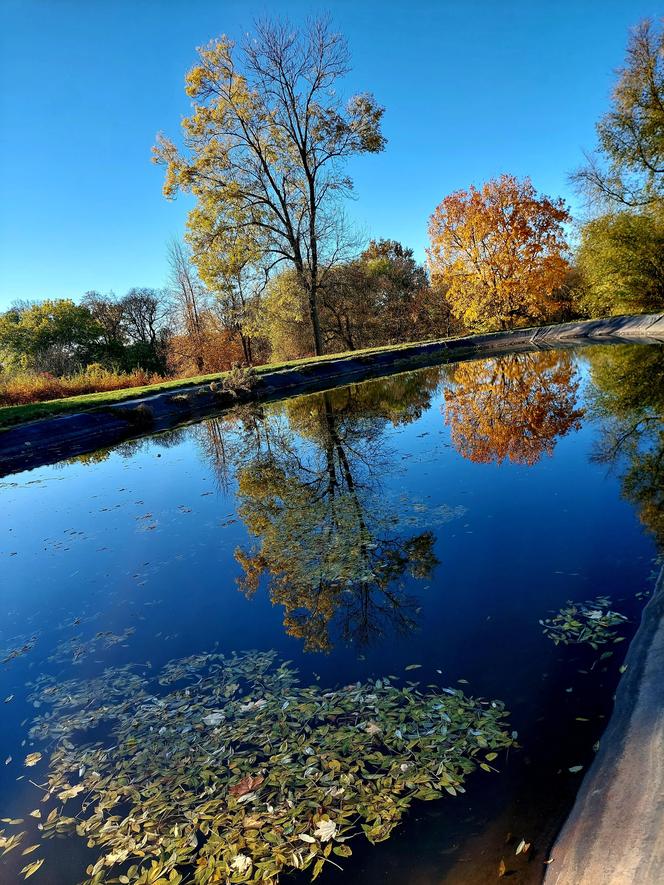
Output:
x=47 y=440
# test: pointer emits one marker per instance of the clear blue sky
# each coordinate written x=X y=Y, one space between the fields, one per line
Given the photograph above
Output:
x=471 y=89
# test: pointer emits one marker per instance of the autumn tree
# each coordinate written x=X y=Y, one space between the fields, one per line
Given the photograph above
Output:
x=515 y=406
x=189 y=299
x=627 y=168
x=378 y=298
x=238 y=291
x=394 y=279
x=265 y=149
x=498 y=253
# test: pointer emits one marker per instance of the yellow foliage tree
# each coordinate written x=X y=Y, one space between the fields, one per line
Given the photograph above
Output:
x=264 y=154
x=498 y=253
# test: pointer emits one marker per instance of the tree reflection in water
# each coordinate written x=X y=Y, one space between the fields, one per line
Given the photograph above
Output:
x=627 y=394
x=515 y=406
x=330 y=546
x=331 y=549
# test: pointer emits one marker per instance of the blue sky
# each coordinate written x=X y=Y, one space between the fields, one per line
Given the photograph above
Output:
x=471 y=89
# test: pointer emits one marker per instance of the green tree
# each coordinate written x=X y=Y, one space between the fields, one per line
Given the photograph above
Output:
x=381 y=297
x=395 y=279
x=56 y=336
x=265 y=149
x=627 y=167
x=108 y=312
x=282 y=318
x=621 y=261
x=145 y=322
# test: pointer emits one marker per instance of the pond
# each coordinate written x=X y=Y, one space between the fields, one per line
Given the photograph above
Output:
x=371 y=634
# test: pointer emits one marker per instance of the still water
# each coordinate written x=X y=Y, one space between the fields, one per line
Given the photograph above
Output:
x=306 y=637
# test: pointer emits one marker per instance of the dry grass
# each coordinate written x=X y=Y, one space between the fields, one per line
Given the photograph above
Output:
x=22 y=388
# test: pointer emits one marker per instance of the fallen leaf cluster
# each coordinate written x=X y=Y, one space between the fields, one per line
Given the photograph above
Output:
x=226 y=769
x=591 y=622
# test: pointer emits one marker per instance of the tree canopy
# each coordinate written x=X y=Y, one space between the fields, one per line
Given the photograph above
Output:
x=264 y=153
x=621 y=261
x=627 y=167
x=499 y=253
x=55 y=335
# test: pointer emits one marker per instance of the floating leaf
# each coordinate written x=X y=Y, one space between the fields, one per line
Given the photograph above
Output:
x=325 y=830
x=247 y=785
x=32 y=868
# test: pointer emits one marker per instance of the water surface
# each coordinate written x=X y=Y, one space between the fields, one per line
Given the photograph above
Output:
x=431 y=518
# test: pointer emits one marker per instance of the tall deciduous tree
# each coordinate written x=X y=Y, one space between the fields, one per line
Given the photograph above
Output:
x=265 y=149
x=189 y=299
x=627 y=168
x=498 y=253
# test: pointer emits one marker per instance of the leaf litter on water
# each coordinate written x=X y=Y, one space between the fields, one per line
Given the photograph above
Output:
x=226 y=769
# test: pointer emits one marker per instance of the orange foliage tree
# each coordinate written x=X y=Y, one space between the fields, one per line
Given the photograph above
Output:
x=498 y=253
x=513 y=407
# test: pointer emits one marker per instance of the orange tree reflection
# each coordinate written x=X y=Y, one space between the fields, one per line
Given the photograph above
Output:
x=515 y=406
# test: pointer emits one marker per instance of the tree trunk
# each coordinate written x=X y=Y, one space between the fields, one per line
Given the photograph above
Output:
x=315 y=323
x=246 y=348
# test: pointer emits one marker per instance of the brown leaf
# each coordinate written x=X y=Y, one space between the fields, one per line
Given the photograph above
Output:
x=246 y=785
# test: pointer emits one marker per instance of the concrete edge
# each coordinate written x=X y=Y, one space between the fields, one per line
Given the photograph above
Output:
x=614 y=834
x=49 y=440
